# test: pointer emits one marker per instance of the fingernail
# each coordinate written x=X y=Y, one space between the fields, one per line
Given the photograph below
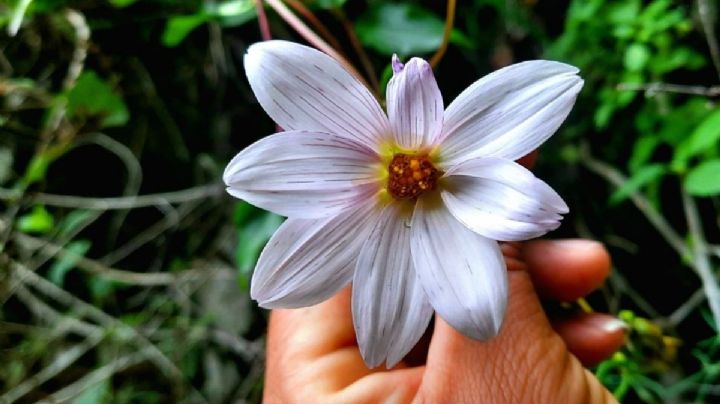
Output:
x=613 y=325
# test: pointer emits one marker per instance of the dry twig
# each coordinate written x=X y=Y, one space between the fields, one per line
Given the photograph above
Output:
x=126 y=202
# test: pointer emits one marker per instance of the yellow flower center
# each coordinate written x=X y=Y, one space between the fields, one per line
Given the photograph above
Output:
x=410 y=176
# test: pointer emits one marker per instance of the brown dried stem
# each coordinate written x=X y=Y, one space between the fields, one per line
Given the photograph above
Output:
x=449 y=23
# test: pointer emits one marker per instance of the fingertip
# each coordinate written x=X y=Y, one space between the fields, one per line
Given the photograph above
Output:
x=566 y=269
x=592 y=337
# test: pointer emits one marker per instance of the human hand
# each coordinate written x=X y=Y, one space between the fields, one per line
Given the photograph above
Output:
x=313 y=356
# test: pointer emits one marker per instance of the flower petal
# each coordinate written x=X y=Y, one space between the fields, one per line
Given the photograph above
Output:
x=513 y=175
x=302 y=88
x=463 y=273
x=308 y=260
x=501 y=200
x=303 y=174
x=414 y=104
x=510 y=112
x=390 y=309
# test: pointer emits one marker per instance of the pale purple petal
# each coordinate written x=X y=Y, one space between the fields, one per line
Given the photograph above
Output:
x=501 y=200
x=510 y=112
x=414 y=105
x=389 y=307
x=513 y=175
x=397 y=65
x=302 y=88
x=463 y=273
x=303 y=174
x=308 y=260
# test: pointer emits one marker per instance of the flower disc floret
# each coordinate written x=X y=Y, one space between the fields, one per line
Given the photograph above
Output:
x=411 y=176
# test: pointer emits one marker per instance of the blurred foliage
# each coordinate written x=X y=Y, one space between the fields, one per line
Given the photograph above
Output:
x=125 y=268
x=404 y=29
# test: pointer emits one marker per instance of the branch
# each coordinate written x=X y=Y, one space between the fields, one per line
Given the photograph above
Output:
x=71 y=391
x=75 y=68
x=61 y=362
x=82 y=38
x=651 y=89
x=132 y=166
x=128 y=277
x=81 y=308
x=709 y=27
x=701 y=260
x=126 y=202
x=715 y=250
x=686 y=308
x=615 y=177
x=171 y=220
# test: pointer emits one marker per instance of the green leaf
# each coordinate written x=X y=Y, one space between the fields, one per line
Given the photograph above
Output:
x=642 y=177
x=179 y=27
x=329 y=4
x=95 y=394
x=72 y=221
x=706 y=136
x=385 y=77
x=232 y=13
x=636 y=57
x=642 y=151
x=251 y=240
x=403 y=28
x=243 y=211
x=603 y=115
x=122 y=3
x=624 y=12
x=704 y=180
x=101 y=288
x=37 y=221
x=91 y=96
x=682 y=120
x=681 y=57
x=37 y=168
x=64 y=263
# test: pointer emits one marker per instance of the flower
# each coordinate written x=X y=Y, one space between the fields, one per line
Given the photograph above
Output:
x=407 y=206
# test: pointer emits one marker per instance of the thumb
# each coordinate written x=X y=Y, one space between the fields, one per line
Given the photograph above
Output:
x=526 y=362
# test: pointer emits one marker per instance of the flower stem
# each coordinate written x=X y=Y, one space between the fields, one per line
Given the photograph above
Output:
x=324 y=32
x=449 y=22
x=313 y=38
x=359 y=50
x=263 y=21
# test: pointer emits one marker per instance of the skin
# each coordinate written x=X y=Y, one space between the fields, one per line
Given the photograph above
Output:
x=313 y=355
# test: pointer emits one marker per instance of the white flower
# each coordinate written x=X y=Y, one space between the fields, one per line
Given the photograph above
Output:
x=407 y=206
